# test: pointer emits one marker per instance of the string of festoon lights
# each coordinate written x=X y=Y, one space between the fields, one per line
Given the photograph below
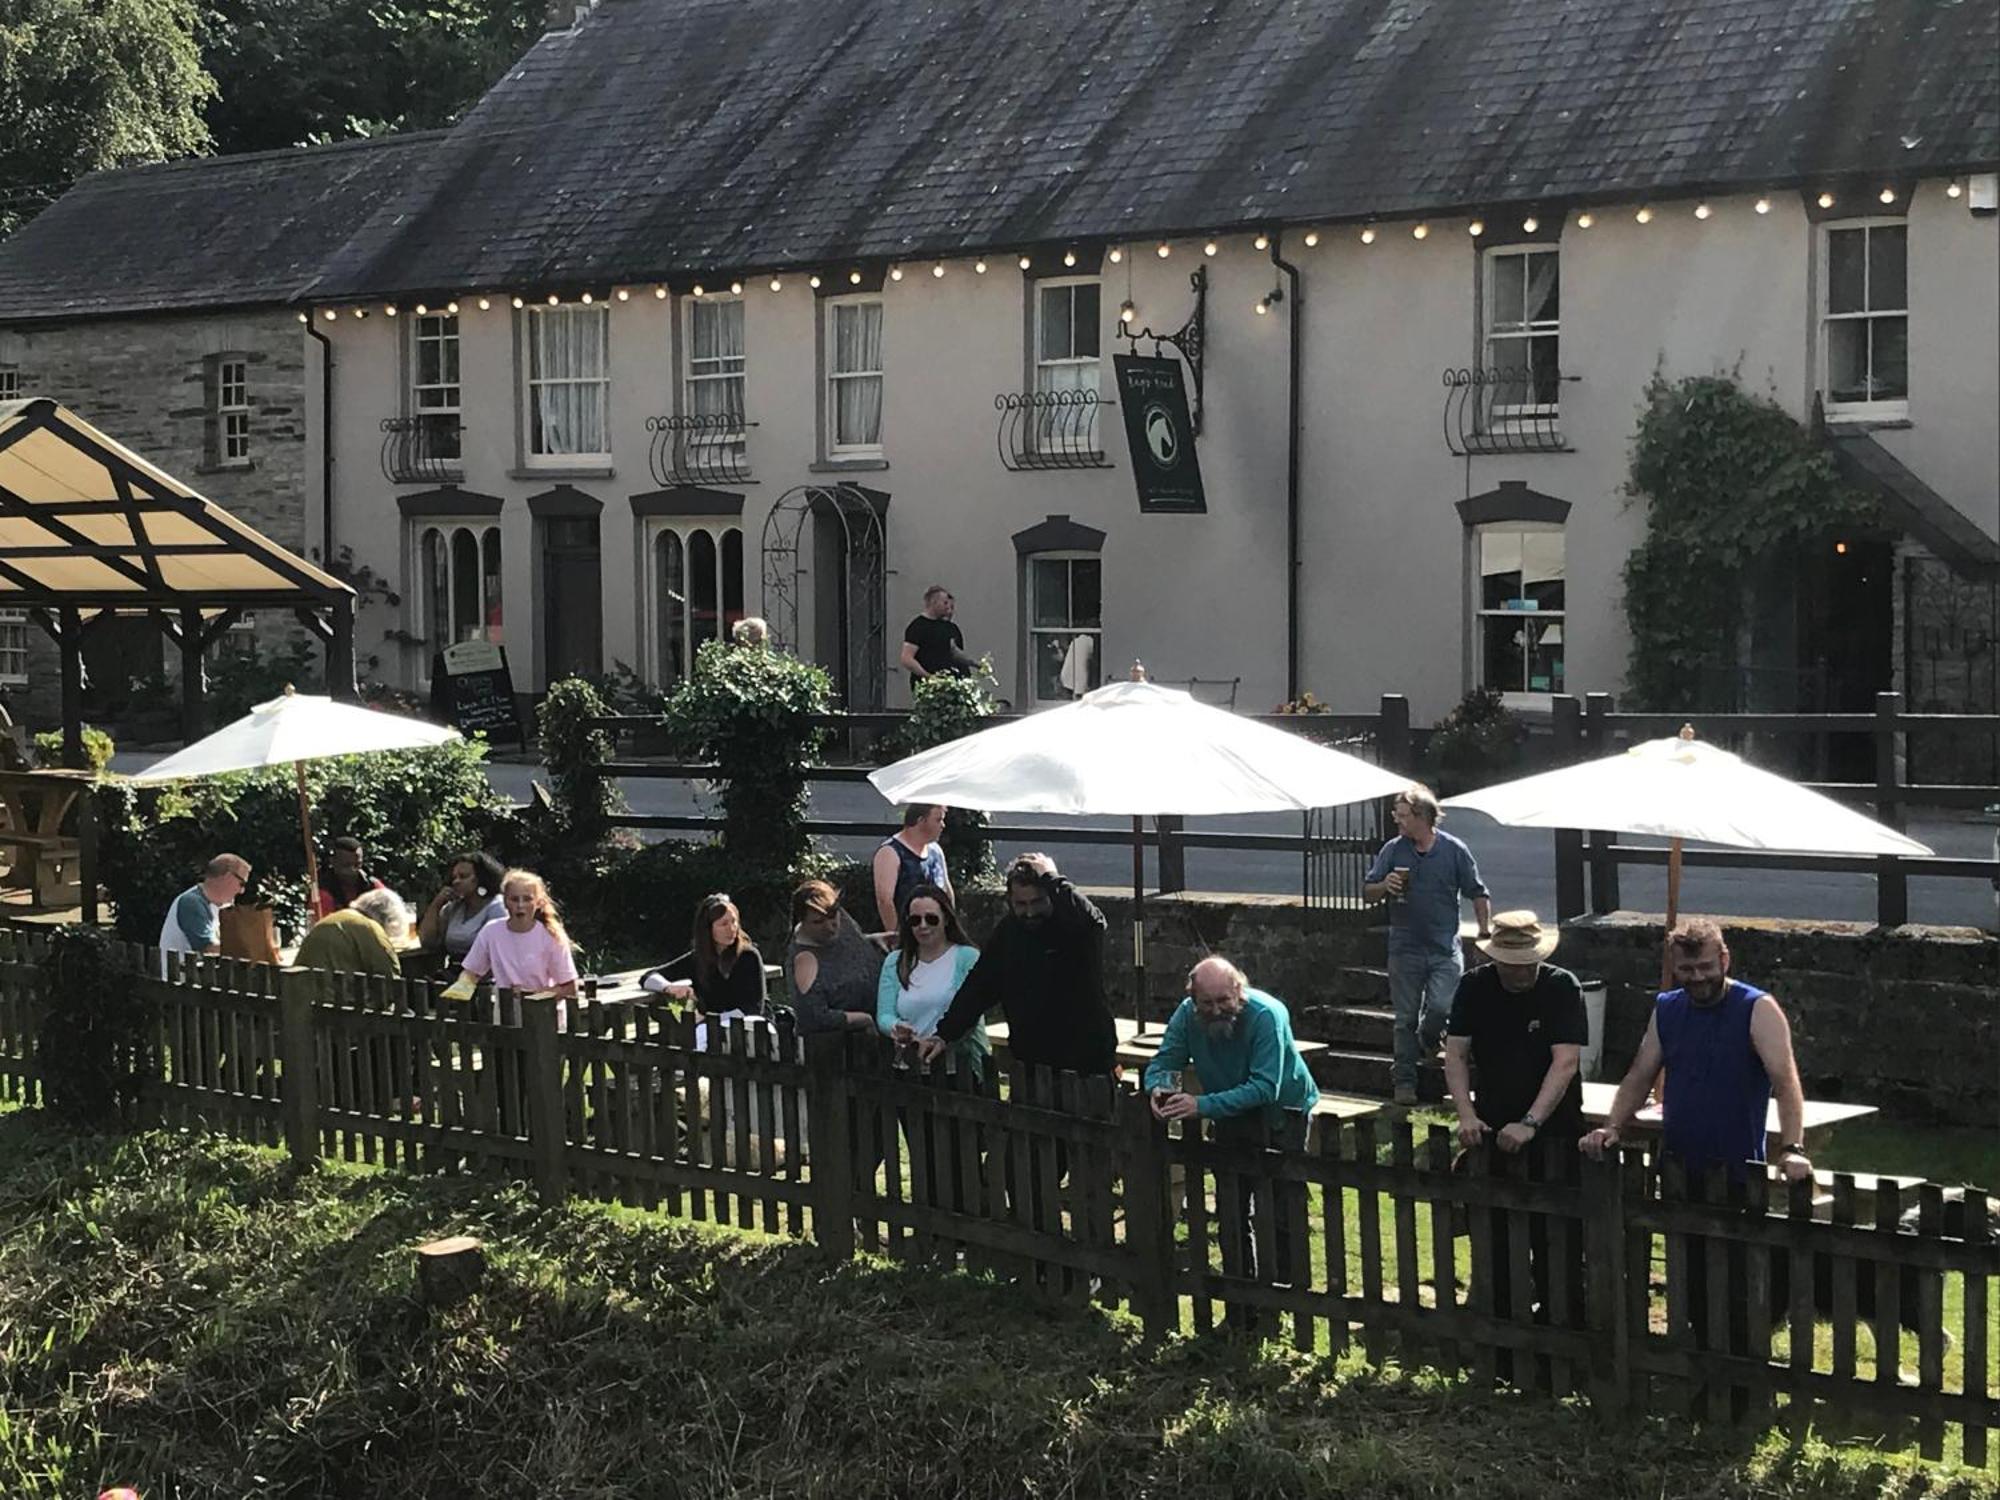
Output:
x=1366 y=232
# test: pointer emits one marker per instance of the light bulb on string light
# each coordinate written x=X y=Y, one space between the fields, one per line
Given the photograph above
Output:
x=1210 y=248
x=305 y=318
x=1420 y=231
x=1164 y=250
x=1762 y=205
x=1702 y=210
x=736 y=288
x=697 y=288
x=1027 y=261
x=854 y=277
x=659 y=292
x=388 y=309
x=360 y=312
x=1069 y=257
x=1952 y=189
x=1312 y=238
x=1127 y=312
x=1262 y=242
x=1530 y=224
x=518 y=302
x=1476 y=228
x=895 y=273
x=554 y=300
x=1368 y=234
x=586 y=299
x=1117 y=254
x=1645 y=214
x=624 y=294
x=777 y=284
x=938 y=269
x=331 y=315
x=423 y=311
x=452 y=308
x=485 y=304
x=813 y=281
x=1585 y=219
x=979 y=268
x=1888 y=195
x=1826 y=200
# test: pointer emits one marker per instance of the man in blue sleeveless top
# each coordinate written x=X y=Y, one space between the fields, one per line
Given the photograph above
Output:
x=909 y=858
x=1727 y=1050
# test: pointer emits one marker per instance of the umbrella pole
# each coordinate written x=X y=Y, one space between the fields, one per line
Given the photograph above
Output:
x=306 y=832
x=1673 y=910
x=1139 y=922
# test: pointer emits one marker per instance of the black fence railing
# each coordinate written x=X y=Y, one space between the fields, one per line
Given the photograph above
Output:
x=1513 y=410
x=423 y=449
x=704 y=451
x=1041 y=430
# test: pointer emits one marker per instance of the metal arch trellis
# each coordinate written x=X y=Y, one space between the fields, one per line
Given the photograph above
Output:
x=1190 y=340
x=863 y=585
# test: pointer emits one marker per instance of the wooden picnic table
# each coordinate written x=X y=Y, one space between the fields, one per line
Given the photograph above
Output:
x=34 y=805
x=1821 y=1115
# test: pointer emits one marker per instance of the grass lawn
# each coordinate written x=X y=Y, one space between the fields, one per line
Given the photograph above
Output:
x=194 y=1317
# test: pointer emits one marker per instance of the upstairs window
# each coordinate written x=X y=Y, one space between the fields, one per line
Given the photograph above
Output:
x=228 y=411
x=1523 y=329
x=1067 y=334
x=10 y=382
x=569 y=386
x=854 y=377
x=434 y=389
x=1867 y=320
x=13 y=640
x=715 y=361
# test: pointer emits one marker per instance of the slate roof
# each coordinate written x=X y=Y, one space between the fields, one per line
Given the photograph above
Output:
x=205 y=232
x=667 y=137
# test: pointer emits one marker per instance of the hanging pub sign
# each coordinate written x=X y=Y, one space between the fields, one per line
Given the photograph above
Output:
x=1157 y=428
x=471 y=687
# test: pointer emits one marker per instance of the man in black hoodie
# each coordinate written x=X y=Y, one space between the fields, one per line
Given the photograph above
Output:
x=1044 y=968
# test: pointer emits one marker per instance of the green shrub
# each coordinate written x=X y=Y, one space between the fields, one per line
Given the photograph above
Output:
x=1477 y=742
x=243 y=677
x=98 y=748
x=411 y=810
x=748 y=710
x=639 y=906
x=572 y=749
x=93 y=1029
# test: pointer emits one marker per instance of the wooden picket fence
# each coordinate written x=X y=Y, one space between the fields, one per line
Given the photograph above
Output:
x=1740 y=1301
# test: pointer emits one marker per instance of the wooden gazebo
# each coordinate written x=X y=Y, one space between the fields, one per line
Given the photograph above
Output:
x=89 y=530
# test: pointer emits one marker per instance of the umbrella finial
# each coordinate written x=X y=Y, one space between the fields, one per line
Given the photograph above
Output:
x=1138 y=670
x=1687 y=731
x=290 y=690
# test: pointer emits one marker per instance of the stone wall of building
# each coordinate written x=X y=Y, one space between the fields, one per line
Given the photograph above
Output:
x=146 y=383
x=1948 y=662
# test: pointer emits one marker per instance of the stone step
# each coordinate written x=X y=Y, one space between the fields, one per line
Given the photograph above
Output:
x=1359 y=1028
x=1357 y=984
x=1370 y=1073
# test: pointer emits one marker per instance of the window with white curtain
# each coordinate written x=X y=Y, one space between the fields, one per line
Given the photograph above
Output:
x=1065 y=616
x=1867 y=319
x=1523 y=328
x=715 y=360
x=13 y=647
x=696 y=593
x=1521 y=616
x=854 y=377
x=1067 y=334
x=569 y=385
x=458 y=576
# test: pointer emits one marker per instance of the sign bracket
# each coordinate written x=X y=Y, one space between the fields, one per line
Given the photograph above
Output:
x=1190 y=340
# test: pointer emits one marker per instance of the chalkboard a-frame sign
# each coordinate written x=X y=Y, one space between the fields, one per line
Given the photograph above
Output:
x=471 y=687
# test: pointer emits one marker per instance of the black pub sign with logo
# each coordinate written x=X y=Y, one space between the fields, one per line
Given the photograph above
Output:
x=1160 y=434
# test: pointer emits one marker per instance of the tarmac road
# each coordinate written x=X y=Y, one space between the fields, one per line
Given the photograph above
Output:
x=1518 y=865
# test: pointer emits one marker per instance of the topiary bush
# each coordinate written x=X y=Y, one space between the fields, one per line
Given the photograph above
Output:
x=573 y=750
x=944 y=708
x=91 y=1046
x=1478 y=742
x=749 y=709
x=411 y=810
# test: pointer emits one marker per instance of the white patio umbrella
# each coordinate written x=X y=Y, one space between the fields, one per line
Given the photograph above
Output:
x=294 y=729
x=1140 y=750
x=1682 y=788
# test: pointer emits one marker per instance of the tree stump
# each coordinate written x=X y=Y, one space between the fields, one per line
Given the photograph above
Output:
x=450 y=1270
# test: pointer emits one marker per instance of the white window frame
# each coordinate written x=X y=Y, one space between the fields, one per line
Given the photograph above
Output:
x=1035 y=632
x=1898 y=409
x=1522 y=696
x=658 y=602
x=448 y=528
x=13 y=639
x=418 y=387
x=1526 y=331
x=10 y=382
x=232 y=411
x=701 y=372
x=1044 y=368
x=834 y=376
x=531 y=383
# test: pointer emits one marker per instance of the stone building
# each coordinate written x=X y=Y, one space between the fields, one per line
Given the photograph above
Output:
x=154 y=300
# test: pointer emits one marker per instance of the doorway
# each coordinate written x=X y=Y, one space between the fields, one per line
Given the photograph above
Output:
x=573 y=597
x=1847 y=607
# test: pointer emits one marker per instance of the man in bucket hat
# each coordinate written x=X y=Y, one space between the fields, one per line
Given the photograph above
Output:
x=1518 y=1025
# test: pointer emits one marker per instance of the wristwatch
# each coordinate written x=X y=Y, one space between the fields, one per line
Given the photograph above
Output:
x=1531 y=1122
x=1793 y=1148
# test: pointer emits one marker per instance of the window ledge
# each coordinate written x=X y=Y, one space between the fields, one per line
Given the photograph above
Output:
x=245 y=467
x=581 y=471
x=452 y=477
x=846 y=465
x=1858 y=423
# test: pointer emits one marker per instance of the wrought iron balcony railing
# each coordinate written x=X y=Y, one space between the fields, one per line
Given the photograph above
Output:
x=706 y=450
x=1050 y=430
x=1504 y=411
x=421 y=449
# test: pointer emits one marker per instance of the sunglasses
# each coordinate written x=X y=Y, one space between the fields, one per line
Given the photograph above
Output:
x=925 y=919
x=717 y=898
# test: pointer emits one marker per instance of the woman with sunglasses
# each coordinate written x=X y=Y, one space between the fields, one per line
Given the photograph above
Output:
x=722 y=972
x=919 y=979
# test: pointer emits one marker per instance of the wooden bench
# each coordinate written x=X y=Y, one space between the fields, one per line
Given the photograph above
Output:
x=34 y=805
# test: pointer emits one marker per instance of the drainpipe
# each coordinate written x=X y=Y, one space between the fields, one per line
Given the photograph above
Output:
x=325 y=441
x=1294 y=304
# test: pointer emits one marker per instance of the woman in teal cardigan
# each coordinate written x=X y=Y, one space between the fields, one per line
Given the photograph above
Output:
x=920 y=978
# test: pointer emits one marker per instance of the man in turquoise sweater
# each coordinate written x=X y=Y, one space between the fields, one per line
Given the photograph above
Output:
x=1254 y=1086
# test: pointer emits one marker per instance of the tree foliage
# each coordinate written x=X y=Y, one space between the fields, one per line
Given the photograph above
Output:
x=295 y=71
x=87 y=84
x=1731 y=482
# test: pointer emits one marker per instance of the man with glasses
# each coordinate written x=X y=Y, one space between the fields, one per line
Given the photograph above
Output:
x=194 y=921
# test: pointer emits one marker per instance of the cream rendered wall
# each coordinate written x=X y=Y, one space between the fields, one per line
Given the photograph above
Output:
x=1384 y=584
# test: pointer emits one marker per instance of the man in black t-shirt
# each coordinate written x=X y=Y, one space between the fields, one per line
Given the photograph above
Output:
x=1519 y=1024
x=933 y=644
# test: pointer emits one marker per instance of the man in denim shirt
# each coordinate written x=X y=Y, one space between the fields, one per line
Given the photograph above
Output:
x=1423 y=873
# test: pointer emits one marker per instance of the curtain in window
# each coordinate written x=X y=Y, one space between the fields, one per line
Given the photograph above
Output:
x=857 y=351
x=490 y=581
x=717 y=354
x=567 y=353
x=437 y=590
x=670 y=584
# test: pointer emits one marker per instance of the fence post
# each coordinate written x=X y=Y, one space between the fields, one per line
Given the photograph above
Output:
x=547 y=1132
x=1568 y=725
x=1604 y=1232
x=1603 y=868
x=1892 y=889
x=829 y=1109
x=1149 y=1229
x=298 y=1083
x=1173 y=853
x=1392 y=735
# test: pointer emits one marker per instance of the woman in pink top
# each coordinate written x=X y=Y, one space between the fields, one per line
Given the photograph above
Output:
x=528 y=951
